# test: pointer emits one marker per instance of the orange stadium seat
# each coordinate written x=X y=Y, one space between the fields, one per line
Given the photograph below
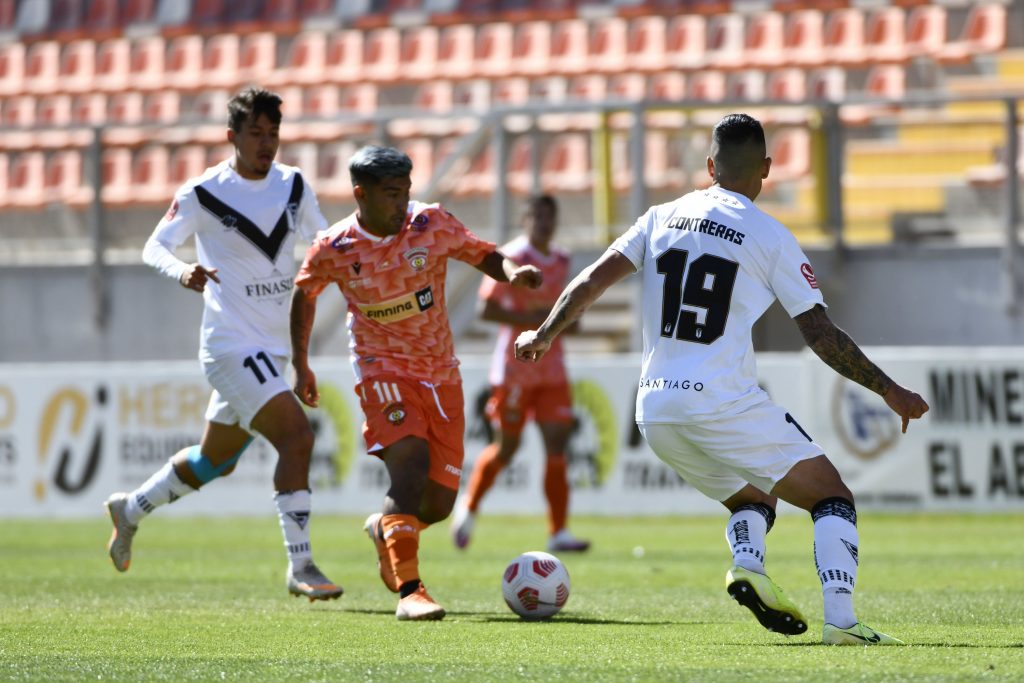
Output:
x=844 y=37
x=305 y=62
x=828 y=83
x=686 y=42
x=382 y=54
x=479 y=178
x=19 y=111
x=607 y=46
x=747 y=85
x=8 y=14
x=725 y=41
x=492 y=55
x=926 y=31
x=184 y=63
x=145 y=68
x=302 y=155
x=125 y=107
x=565 y=166
x=321 y=101
x=113 y=60
x=186 y=162
x=208 y=12
x=89 y=109
x=218 y=153
x=455 y=51
x=25 y=179
x=63 y=179
x=5 y=163
x=984 y=32
x=12 y=69
x=645 y=44
x=102 y=16
x=65 y=15
x=707 y=86
x=361 y=98
x=150 y=167
x=138 y=12
x=418 y=53
x=667 y=87
x=569 y=46
x=77 y=66
x=421 y=152
x=53 y=111
x=531 y=48
x=788 y=84
x=790 y=150
x=804 y=38
x=344 y=58
x=162 y=107
x=885 y=38
x=280 y=11
x=332 y=178
x=257 y=57
x=510 y=91
x=211 y=105
x=220 y=61
x=628 y=87
x=42 y=65
x=764 y=40
x=519 y=173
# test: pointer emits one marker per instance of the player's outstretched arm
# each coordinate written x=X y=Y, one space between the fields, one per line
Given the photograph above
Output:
x=495 y=265
x=303 y=312
x=841 y=353
x=584 y=290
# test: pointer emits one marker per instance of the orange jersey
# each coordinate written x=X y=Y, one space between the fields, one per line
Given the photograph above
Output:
x=505 y=369
x=394 y=287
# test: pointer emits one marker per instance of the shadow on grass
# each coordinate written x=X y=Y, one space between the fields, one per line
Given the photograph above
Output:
x=818 y=643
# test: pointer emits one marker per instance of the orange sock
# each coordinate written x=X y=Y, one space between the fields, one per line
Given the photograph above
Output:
x=485 y=471
x=402 y=539
x=556 y=488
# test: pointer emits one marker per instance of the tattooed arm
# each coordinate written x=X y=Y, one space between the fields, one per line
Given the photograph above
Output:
x=842 y=354
x=584 y=290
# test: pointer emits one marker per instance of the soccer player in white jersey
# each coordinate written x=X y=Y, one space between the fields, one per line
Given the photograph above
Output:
x=712 y=263
x=246 y=214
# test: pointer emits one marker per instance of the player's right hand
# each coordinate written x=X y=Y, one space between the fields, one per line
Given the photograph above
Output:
x=905 y=403
x=305 y=387
x=529 y=348
x=196 y=276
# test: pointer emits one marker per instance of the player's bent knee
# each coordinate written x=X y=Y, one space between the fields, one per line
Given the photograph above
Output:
x=206 y=471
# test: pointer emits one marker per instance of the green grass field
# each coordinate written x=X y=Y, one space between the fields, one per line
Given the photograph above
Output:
x=205 y=600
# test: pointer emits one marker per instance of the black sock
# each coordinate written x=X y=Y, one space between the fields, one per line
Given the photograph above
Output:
x=409 y=587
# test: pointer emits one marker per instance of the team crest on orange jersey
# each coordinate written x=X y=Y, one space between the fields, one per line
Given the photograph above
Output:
x=395 y=413
x=417 y=258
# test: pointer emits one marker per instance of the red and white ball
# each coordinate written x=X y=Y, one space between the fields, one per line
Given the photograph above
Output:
x=535 y=585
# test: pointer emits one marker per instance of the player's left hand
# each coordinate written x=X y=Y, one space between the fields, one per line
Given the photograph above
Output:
x=529 y=347
x=526 y=276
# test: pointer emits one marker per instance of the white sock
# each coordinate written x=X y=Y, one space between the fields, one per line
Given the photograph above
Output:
x=162 y=488
x=835 y=556
x=293 y=509
x=745 y=533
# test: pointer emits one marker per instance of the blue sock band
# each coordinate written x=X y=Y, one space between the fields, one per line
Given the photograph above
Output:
x=205 y=470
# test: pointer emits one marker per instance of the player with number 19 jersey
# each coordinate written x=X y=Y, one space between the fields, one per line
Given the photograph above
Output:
x=712 y=264
x=394 y=287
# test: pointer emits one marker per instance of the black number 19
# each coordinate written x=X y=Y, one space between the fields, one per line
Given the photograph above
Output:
x=709 y=284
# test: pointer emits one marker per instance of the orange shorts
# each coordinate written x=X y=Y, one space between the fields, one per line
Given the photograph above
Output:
x=397 y=407
x=511 y=405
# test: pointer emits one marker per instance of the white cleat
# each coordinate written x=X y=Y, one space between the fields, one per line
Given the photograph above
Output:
x=311 y=582
x=419 y=606
x=120 y=545
x=462 y=527
x=564 y=542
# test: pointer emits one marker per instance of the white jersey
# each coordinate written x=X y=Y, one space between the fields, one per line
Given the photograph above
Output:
x=246 y=229
x=712 y=263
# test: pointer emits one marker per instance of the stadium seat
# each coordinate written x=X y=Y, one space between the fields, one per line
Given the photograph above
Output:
x=305 y=62
x=113 y=61
x=162 y=107
x=53 y=111
x=89 y=109
x=66 y=15
x=984 y=32
x=519 y=173
x=125 y=107
x=5 y=163
x=359 y=99
x=667 y=87
x=321 y=101
x=607 y=45
x=19 y=111
x=565 y=166
x=138 y=12
x=210 y=105
x=25 y=179
x=184 y=65
x=62 y=176
x=790 y=150
x=208 y=13
x=707 y=86
x=478 y=177
x=332 y=178
x=257 y=57
x=531 y=48
x=883 y=82
x=280 y=12
x=220 y=61
x=8 y=15
x=302 y=155
x=218 y=153
x=804 y=38
x=685 y=42
x=569 y=46
x=828 y=83
x=747 y=85
x=492 y=56
x=344 y=58
x=42 y=67
x=645 y=44
x=186 y=162
x=418 y=53
x=885 y=35
x=764 y=40
x=926 y=31
x=382 y=54
x=146 y=64
x=510 y=91
x=102 y=17
x=788 y=85
x=12 y=69
x=421 y=152
x=77 y=66
x=724 y=48
x=455 y=51
x=844 y=37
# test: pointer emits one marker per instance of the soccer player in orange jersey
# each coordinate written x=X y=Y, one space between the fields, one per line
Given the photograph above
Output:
x=526 y=390
x=389 y=259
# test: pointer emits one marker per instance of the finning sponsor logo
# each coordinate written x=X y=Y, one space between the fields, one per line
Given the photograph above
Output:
x=403 y=307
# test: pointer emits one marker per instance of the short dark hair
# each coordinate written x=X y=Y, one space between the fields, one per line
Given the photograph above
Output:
x=372 y=164
x=250 y=104
x=737 y=147
x=538 y=200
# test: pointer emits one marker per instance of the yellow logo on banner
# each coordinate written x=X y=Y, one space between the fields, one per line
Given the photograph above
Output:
x=595 y=437
x=62 y=432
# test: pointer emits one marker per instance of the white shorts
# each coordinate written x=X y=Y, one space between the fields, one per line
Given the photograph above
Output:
x=719 y=457
x=243 y=381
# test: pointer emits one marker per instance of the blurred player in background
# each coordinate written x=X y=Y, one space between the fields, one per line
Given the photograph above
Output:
x=246 y=214
x=389 y=259
x=712 y=263
x=520 y=391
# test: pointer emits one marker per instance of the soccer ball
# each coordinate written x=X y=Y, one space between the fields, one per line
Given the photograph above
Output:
x=535 y=585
